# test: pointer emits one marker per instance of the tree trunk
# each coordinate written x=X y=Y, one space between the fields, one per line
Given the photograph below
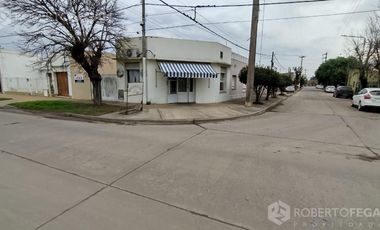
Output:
x=274 y=93
x=268 y=93
x=363 y=79
x=258 y=93
x=97 y=90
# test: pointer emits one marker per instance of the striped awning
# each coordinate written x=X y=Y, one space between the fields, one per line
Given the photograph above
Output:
x=187 y=70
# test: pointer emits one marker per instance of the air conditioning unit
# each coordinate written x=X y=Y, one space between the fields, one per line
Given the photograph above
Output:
x=133 y=53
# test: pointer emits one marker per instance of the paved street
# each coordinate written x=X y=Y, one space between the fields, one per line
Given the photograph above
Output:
x=312 y=151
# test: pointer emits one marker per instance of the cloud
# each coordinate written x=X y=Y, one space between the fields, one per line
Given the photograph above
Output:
x=287 y=38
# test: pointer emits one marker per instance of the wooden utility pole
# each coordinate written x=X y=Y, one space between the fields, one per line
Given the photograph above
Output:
x=143 y=25
x=252 y=53
x=272 y=61
x=144 y=55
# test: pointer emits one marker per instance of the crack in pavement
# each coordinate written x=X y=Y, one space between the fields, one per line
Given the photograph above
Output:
x=111 y=185
x=377 y=156
x=183 y=209
x=361 y=140
x=286 y=138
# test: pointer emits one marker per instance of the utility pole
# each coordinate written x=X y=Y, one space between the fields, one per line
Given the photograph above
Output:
x=272 y=61
x=252 y=53
x=325 y=57
x=144 y=54
x=1 y=87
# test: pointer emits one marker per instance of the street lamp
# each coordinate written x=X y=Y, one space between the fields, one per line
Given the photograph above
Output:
x=364 y=44
x=352 y=36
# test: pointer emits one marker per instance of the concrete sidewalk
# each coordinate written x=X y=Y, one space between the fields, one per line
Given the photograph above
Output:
x=194 y=113
x=165 y=114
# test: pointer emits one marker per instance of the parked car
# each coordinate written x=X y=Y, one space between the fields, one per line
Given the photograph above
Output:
x=368 y=97
x=290 y=89
x=330 y=89
x=319 y=87
x=344 y=91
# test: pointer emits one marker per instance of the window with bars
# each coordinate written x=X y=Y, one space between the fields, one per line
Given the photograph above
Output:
x=133 y=76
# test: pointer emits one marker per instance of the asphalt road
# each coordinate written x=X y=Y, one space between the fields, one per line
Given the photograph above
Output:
x=314 y=151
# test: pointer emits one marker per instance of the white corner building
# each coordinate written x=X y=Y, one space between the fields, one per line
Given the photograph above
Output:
x=183 y=71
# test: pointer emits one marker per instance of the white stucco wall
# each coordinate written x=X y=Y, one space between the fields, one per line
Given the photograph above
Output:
x=171 y=49
x=166 y=49
x=238 y=63
x=19 y=73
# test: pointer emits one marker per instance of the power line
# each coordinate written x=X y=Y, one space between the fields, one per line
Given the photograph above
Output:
x=268 y=19
x=262 y=33
x=205 y=27
x=227 y=34
x=239 y=5
x=323 y=15
x=279 y=63
x=9 y=35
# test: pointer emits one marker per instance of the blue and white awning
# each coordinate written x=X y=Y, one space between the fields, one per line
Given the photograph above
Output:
x=187 y=70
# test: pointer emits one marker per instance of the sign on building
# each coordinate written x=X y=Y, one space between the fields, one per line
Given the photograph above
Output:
x=79 y=78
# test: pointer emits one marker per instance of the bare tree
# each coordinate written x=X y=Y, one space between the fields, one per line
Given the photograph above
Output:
x=364 y=49
x=374 y=25
x=82 y=29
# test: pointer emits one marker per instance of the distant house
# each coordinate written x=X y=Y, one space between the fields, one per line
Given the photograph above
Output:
x=182 y=71
x=373 y=78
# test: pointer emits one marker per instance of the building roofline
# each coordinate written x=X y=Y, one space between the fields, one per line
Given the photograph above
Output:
x=181 y=39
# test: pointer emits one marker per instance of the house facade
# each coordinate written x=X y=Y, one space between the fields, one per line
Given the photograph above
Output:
x=373 y=78
x=178 y=71
x=21 y=73
x=182 y=71
x=238 y=89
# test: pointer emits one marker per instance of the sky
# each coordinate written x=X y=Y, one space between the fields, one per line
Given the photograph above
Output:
x=289 y=39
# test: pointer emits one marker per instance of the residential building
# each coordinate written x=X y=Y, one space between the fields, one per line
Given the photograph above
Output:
x=21 y=73
x=238 y=63
x=81 y=85
x=182 y=71
x=178 y=71
x=60 y=77
x=373 y=78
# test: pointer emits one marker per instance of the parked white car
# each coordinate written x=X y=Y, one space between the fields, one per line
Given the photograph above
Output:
x=319 y=87
x=368 y=97
x=290 y=89
x=330 y=89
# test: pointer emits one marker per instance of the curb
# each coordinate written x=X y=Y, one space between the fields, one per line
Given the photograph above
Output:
x=77 y=117
x=175 y=122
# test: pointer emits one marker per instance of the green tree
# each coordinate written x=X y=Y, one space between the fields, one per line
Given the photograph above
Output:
x=265 y=78
x=284 y=81
x=303 y=81
x=335 y=71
